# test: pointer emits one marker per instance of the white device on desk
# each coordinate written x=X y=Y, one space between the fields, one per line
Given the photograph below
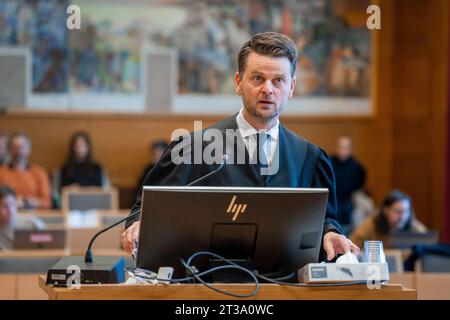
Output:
x=343 y=272
x=347 y=268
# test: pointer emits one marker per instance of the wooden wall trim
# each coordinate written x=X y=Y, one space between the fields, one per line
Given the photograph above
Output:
x=144 y=116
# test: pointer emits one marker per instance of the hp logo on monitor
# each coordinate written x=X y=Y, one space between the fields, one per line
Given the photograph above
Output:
x=236 y=208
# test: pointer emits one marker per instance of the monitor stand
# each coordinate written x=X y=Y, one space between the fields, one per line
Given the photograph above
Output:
x=230 y=275
x=236 y=242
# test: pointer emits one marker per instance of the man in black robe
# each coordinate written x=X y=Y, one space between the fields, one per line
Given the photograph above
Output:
x=262 y=152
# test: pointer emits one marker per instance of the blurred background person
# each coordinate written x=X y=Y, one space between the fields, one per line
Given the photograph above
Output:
x=396 y=214
x=350 y=177
x=10 y=220
x=363 y=207
x=29 y=181
x=80 y=169
x=157 y=148
x=3 y=148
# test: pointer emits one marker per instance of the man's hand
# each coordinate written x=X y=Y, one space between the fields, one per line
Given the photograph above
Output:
x=129 y=236
x=335 y=243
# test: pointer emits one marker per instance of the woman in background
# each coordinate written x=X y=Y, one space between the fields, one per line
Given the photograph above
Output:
x=80 y=168
x=396 y=214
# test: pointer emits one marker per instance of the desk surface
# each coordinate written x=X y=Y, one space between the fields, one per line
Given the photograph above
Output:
x=198 y=291
x=61 y=213
x=42 y=253
x=37 y=253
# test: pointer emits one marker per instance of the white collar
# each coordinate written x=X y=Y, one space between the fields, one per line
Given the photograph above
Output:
x=247 y=130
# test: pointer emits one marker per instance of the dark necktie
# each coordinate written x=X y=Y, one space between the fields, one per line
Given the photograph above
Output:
x=260 y=154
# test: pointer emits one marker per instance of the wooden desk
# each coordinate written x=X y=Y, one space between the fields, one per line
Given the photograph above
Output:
x=36 y=253
x=434 y=286
x=200 y=292
x=63 y=213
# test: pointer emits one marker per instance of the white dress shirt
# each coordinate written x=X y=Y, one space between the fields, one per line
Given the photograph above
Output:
x=248 y=133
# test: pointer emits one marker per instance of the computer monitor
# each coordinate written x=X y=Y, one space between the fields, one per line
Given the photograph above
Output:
x=89 y=198
x=407 y=239
x=275 y=229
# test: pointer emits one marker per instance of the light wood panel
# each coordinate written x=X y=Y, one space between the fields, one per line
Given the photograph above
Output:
x=28 y=288
x=420 y=99
x=8 y=287
x=407 y=280
x=433 y=286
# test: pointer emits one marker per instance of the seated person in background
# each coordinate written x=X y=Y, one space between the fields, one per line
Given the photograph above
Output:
x=363 y=207
x=156 y=150
x=80 y=168
x=3 y=148
x=29 y=181
x=10 y=220
x=396 y=214
x=350 y=176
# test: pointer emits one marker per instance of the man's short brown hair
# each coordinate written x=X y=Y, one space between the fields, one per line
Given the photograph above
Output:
x=270 y=44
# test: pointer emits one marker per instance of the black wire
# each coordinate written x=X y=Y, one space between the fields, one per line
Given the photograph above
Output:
x=281 y=278
x=276 y=281
x=200 y=274
x=278 y=274
x=236 y=267
x=196 y=275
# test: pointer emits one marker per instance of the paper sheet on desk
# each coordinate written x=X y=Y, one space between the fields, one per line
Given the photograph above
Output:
x=83 y=219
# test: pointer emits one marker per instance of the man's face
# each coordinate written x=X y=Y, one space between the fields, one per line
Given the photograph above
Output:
x=8 y=210
x=344 y=148
x=265 y=86
x=19 y=149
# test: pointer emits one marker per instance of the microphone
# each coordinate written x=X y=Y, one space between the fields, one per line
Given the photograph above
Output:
x=88 y=255
x=224 y=160
x=105 y=269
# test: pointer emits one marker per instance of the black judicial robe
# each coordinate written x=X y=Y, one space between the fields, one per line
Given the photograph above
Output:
x=301 y=165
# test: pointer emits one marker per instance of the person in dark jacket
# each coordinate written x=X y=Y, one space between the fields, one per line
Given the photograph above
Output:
x=350 y=177
x=156 y=150
x=80 y=168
